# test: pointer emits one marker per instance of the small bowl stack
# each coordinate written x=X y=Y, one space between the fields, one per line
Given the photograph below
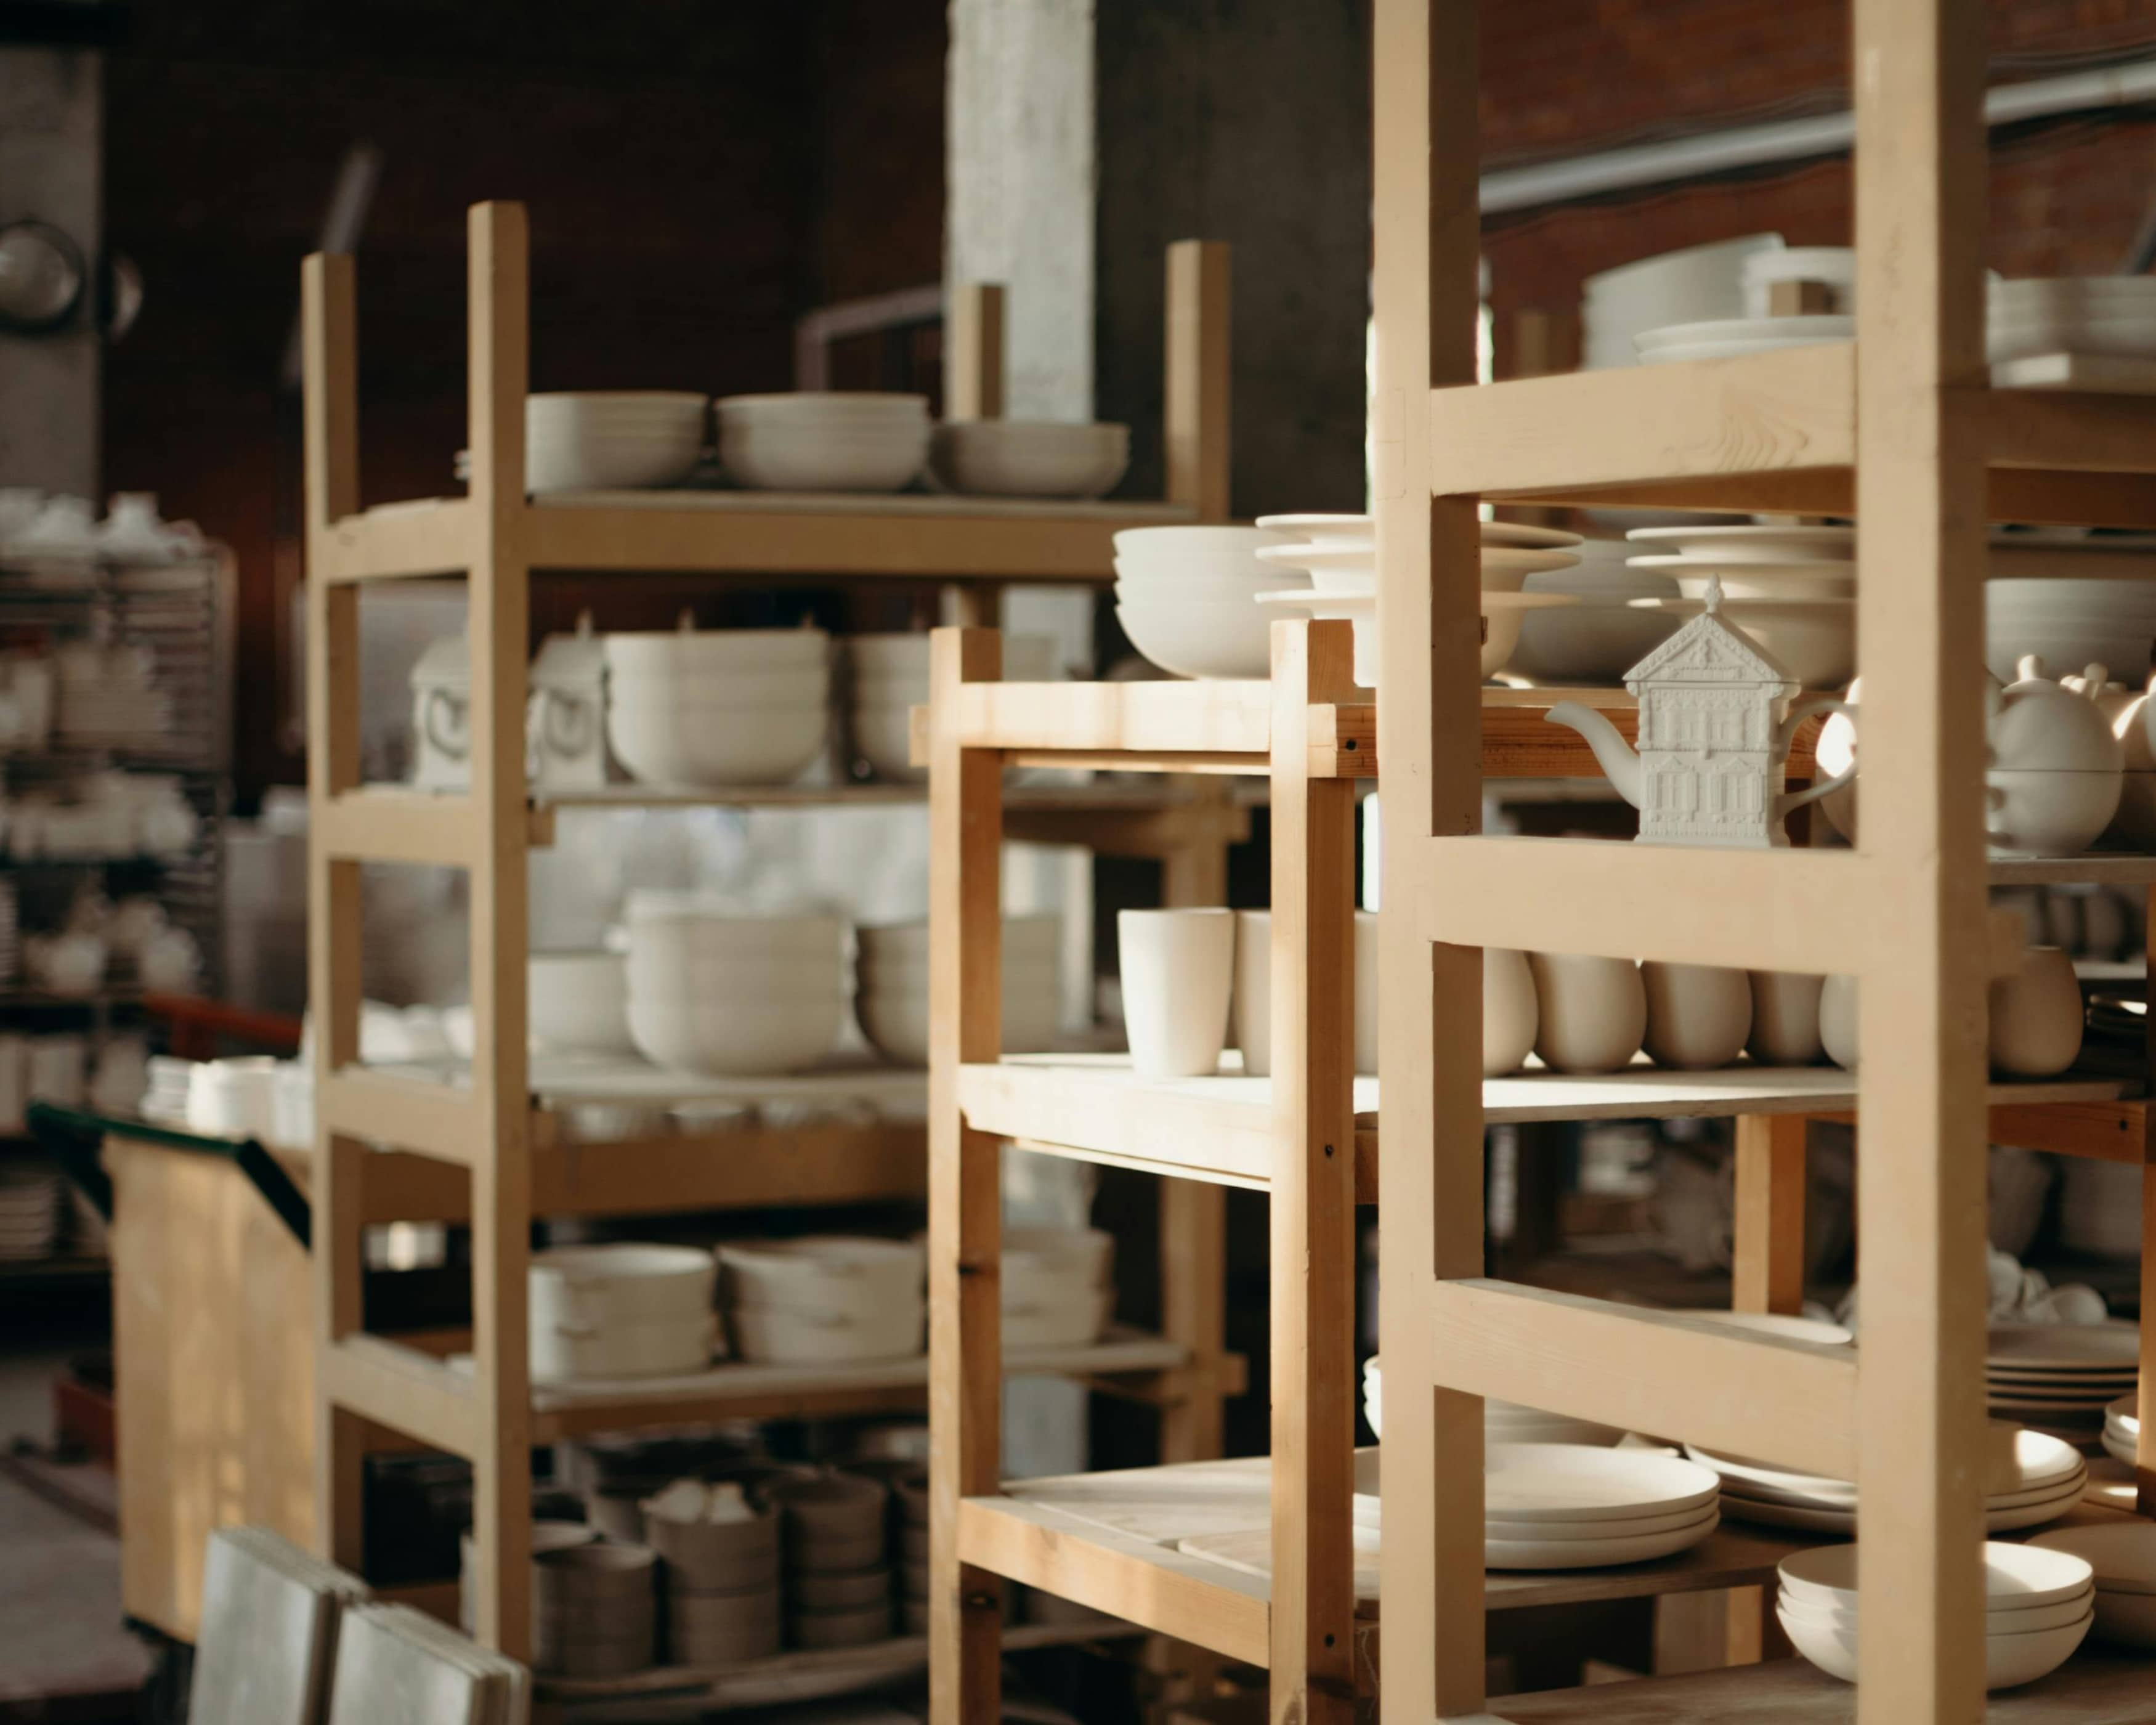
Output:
x=1340 y=553
x=2121 y=1429
x=2071 y=603
x=2122 y=1555
x=838 y=1560
x=1187 y=598
x=891 y=995
x=721 y=1550
x=595 y=1609
x=816 y=441
x=2111 y=315
x=910 y=1491
x=1602 y=636
x=1792 y=589
x=1733 y=337
x=546 y=1535
x=740 y=996
x=625 y=440
x=2038 y=1607
x=1571 y=1506
x=718 y=707
x=2062 y=1377
x=2044 y=1481
x=889 y=677
x=1030 y=458
x=1058 y=1286
x=825 y=1299
x=622 y=1310
x=1502 y=1422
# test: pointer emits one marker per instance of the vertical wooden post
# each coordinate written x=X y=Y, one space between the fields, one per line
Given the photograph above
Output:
x=965 y=1206
x=329 y=341
x=499 y=623
x=1769 y=1269
x=1429 y=738
x=1920 y=190
x=1195 y=410
x=1313 y=1190
x=973 y=348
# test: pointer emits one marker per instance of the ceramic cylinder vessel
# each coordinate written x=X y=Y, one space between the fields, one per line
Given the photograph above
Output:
x=1593 y=1011
x=1510 y=1016
x=1253 y=990
x=1785 y=1017
x=2036 y=1017
x=1178 y=969
x=1698 y=1015
x=1837 y=1020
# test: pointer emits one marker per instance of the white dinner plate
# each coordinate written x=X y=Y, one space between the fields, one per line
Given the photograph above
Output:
x=2083 y=1346
x=1593 y=1553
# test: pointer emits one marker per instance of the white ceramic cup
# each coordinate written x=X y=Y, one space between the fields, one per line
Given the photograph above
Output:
x=2036 y=1017
x=1785 y=1017
x=1510 y=1015
x=1254 y=982
x=1177 y=971
x=1837 y=1020
x=1698 y=1015
x=1593 y=1011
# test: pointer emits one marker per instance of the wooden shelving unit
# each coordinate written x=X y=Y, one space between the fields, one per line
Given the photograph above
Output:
x=486 y=1144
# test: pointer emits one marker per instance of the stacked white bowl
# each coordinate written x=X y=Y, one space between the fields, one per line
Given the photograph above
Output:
x=578 y=1002
x=2121 y=1552
x=724 y=994
x=2043 y=1480
x=891 y=996
x=2059 y=1376
x=888 y=677
x=618 y=440
x=824 y=441
x=2121 y=1429
x=1572 y=1506
x=825 y=1299
x=2108 y=314
x=1603 y=636
x=621 y=1311
x=1733 y=337
x=1792 y=589
x=2071 y=600
x=1339 y=552
x=1187 y=598
x=718 y=707
x=1030 y=458
x=2038 y=1607
x=1698 y=282
x=1502 y=1422
x=1059 y=1286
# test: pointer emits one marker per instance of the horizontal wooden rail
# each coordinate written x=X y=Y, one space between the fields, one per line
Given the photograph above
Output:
x=404 y=1390
x=400 y=826
x=436 y=1120
x=400 y=542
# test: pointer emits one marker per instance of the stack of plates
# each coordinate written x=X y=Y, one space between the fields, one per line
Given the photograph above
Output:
x=1700 y=281
x=1059 y=1286
x=2044 y=1481
x=2038 y=1606
x=2060 y=1375
x=1502 y=1422
x=888 y=677
x=891 y=994
x=2112 y=315
x=818 y=441
x=29 y=1211
x=2123 y=1553
x=623 y=440
x=1185 y=596
x=2121 y=1429
x=1030 y=458
x=1574 y=1506
x=1792 y=589
x=1340 y=554
x=1733 y=337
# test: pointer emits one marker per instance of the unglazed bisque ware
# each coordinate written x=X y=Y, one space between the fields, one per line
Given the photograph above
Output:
x=1698 y=1015
x=1714 y=737
x=1785 y=1017
x=1178 y=970
x=1837 y=1020
x=2057 y=767
x=2036 y=1016
x=1510 y=1016
x=1593 y=1011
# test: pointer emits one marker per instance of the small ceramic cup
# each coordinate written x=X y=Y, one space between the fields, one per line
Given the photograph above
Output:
x=1177 y=971
x=1698 y=1015
x=1837 y=1020
x=1593 y=1011
x=1510 y=1016
x=2036 y=1017
x=1785 y=1017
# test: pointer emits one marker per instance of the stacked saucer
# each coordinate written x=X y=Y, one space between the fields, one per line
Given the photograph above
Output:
x=2121 y=1429
x=2123 y=1553
x=2060 y=1376
x=1791 y=588
x=2038 y=1605
x=2043 y=1481
x=1733 y=337
x=2113 y=315
x=1574 y=1506
x=29 y=1210
x=1502 y=1422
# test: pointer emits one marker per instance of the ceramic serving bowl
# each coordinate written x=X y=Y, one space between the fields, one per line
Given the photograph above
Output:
x=579 y=1000
x=842 y=1275
x=621 y=1309
x=715 y=743
x=707 y=657
x=1601 y=637
x=1177 y=553
x=627 y=440
x=743 y=1038
x=811 y=441
x=1814 y=641
x=1694 y=283
x=1199 y=639
x=1019 y=458
x=1069 y=1322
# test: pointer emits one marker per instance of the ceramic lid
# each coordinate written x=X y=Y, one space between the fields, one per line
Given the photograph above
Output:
x=446 y=663
x=578 y=660
x=2042 y=726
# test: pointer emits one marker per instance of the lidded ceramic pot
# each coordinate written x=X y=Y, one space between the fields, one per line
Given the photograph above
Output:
x=565 y=713
x=441 y=716
x=2056 y=772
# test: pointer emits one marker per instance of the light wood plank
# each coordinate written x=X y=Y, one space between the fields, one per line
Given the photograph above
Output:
x=1768 y=1271
x=973 y=351
x=433 y=1119
x=1195 y=422
x=404 y=1390
x=432 y=537
x=400 y=826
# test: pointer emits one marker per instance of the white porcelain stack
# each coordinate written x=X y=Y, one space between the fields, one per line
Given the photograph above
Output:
x=1603 y=635
x=2038 y=1607
x=824 y=441
x=2060 y=1376
x=2044 y=1481
x=1030 y=458
x=2071 y=598
x=888 y=677
x=891 y=993
x=2122 y=1552
x=720 y=1550
x=29 y=1210
x=1735 y=337
x=1697 y=283
x=1339 y=552
x=630 y=439
x=732 y=995
x=621 y=1309
x=2112 y=315
x=825 y=1299
x=1502 y=1422
x=1574 y=1506
x=837 y=1542
x=1792 y=589
x=579 y=1002
x=715 y=708
x=1058 y=1286
x=1186 y=596
x=2121 y=1429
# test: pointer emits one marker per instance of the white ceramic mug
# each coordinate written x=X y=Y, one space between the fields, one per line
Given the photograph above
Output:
x=1177 y=972
x=1593 y=1011
x=1698 y=1015
x=1785 y=1017
x=2036 y=1017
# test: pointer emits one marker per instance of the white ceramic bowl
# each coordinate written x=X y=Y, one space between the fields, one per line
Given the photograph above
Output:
x=2009 y=1659
x=622 y=441
x=1190 y=551
x=1814 y=641
x=622 y=1310
x=824 y=408
x=1031 y=1252
x=718 y=746
x=1232 y=641
x=1071 y=1324
x=1696 y=282
x=658 y=921
x=786 y=1338
x=1019 y=457
x=883 y=737
x=678 y=687
x=896 y=1020
x=847 y=1274
x=579 y=1000
x=768 y=459
x=1157 y=589
x=736 y=1037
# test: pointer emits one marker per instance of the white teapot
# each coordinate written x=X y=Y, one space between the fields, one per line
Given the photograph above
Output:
x=2056 y=772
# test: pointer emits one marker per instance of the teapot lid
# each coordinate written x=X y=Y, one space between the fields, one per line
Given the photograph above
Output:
x=445 y=663
x=2046 y=727
x=579 y=659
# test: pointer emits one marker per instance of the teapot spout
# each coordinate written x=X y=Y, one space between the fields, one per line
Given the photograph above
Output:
x=1615 y=757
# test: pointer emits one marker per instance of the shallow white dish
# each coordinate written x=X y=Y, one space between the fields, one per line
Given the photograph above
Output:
x=1577 y=1554
x=1019 y=458
x=1734 y=544
x=2009 y=1659
x=1568 y=1483
x=1230 y=641
x=2121 y=1554
x=1829 y=326
x=2084 y=1347
x=770 y=458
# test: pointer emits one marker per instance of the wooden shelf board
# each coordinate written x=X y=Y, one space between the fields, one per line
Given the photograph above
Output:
x=2094 y=868
x=740 y=1389
x=2101 y=373
x=906 y=505
x=2093 y=1687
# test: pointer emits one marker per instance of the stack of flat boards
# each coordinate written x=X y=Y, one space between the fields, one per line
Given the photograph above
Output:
x=269 y=1637
x=396 y=1664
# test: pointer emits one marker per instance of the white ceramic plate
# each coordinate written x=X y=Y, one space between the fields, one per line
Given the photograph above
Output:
x=2013 y=1575
x=1818 y=327
x=1593 y=1553
x=1746 y=543
x=2069 y=1346
x=1570 y=1482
